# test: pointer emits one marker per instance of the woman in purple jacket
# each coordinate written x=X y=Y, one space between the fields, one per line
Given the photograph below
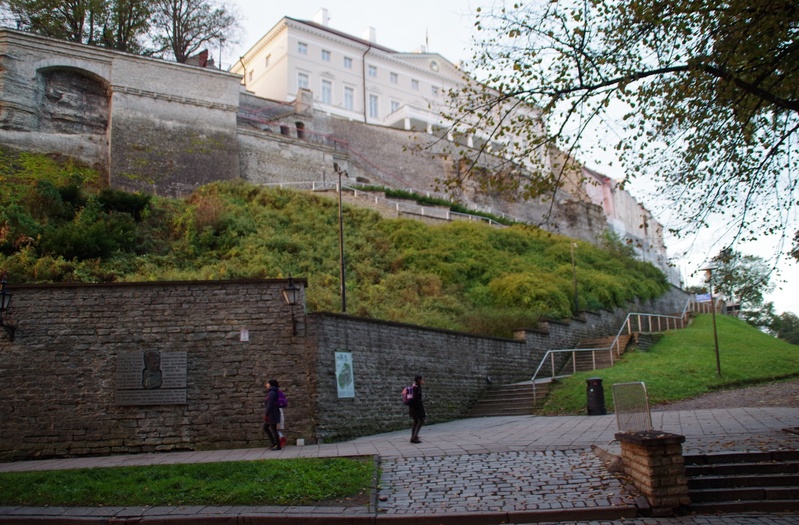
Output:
x=272 y=414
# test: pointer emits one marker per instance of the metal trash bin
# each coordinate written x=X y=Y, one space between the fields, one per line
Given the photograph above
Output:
x=596 y=397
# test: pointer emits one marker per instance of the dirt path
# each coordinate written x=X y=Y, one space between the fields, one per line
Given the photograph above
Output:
x=782 y=394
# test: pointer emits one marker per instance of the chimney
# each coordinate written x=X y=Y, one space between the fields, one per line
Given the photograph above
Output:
x=370 y=34
x=322 y=17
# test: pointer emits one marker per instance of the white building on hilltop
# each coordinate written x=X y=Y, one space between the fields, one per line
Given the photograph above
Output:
x=350 y=77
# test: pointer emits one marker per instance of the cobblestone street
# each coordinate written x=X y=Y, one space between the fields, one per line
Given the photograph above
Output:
x=499 y=481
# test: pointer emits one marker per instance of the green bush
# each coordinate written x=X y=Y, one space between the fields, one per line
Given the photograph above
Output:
x=134 y=204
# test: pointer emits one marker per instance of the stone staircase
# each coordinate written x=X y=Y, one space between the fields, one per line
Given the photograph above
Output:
x=743 y=482
x=521 y=399
x=518 y=399
x=601 y=358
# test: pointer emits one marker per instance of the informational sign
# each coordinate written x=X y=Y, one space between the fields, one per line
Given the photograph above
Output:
x=151 y=378
x=345 y=379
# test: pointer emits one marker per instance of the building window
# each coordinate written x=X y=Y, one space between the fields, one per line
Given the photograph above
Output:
x=348 y=62
x=249 y=77
x=327 y=92
x=434 y=90
x=303 y=81
x=395 y=105
x=415 y=85
x=325 y=55
x=373 y=106
x=349 y=98
x=266 y=60
x=302 y=48
x=372 y=71
x=394 y=78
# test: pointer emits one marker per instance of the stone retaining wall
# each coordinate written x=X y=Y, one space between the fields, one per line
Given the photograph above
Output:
x=60 y=377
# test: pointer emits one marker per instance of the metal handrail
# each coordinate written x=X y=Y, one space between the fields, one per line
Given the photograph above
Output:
x=419 y=209
x=627 y=324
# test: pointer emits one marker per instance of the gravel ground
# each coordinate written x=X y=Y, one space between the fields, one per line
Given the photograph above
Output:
x=782 y=394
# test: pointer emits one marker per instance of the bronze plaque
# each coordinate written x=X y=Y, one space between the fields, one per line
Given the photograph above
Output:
x=151 y=378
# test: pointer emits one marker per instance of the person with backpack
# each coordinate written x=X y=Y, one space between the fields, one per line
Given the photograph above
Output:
x=272 y=413
x=416 y=409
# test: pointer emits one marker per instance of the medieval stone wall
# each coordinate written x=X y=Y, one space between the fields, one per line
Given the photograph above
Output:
x=151 y=125
x=59 y=378
x=169 y=128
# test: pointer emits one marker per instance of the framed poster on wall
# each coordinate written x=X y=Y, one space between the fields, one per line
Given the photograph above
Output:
x=345 y=379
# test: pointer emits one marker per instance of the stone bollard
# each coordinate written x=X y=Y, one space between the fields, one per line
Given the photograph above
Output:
x=654 y=462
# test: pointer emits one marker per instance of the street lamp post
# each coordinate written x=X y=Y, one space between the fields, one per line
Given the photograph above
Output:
x=709 y=274
x=342 y=278
x=576 y=307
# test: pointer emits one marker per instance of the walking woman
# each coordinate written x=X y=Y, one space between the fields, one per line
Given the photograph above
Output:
x=272 y=414
x=416 y=409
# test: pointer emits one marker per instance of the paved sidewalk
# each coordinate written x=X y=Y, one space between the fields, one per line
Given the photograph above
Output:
x=487 y=470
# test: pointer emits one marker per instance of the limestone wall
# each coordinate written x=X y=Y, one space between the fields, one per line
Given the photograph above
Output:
x=60 y=376
x=386 y=356
x=149 y=124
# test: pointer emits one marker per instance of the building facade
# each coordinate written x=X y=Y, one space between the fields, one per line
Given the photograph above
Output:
x=350 y=77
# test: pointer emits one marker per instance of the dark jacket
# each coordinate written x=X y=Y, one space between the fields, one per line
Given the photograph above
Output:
x=416 y=405
x=271 y=410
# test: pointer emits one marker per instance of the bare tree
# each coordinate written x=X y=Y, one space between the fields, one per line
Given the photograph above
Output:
x=185 y=27
x=74 y=20
x=708 y=95
x=126 y=24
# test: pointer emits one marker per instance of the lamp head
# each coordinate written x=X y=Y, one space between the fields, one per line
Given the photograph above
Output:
x=291 y=293
x=5 y=296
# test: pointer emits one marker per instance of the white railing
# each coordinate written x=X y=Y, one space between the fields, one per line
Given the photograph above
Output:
x=397 y=205
x=634 y=322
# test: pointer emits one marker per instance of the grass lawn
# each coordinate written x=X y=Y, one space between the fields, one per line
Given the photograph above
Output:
x=301 y=481
x=683 y=365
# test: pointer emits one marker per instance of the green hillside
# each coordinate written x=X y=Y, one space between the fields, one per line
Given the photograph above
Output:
x=682 y=365
x=58 y=223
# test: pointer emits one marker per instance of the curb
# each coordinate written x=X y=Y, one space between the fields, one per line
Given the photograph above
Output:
x=320 y=516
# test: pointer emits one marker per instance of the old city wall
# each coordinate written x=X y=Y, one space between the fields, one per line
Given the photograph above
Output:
x=382 y=155
x=61 y=378
x=149 y=124
x=386 y=356
x=168 y=128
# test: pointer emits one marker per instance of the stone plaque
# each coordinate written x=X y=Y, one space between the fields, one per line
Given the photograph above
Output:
x=151 y=378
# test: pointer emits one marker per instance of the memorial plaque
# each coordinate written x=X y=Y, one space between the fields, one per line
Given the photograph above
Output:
x=151 y=378
x=345 y=380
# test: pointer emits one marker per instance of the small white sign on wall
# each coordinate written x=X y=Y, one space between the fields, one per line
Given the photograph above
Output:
x=345 y=379
x=245 y=335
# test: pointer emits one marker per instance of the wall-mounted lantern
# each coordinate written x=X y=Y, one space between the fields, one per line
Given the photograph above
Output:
x=5 y=303
x=291 y=294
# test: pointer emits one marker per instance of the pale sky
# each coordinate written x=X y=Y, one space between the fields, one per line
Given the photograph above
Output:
x=403 y=26
x=447 y=27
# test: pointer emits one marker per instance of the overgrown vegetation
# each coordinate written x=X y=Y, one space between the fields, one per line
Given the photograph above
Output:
x=58 y=224
x=286 y=482
x=683 y=365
